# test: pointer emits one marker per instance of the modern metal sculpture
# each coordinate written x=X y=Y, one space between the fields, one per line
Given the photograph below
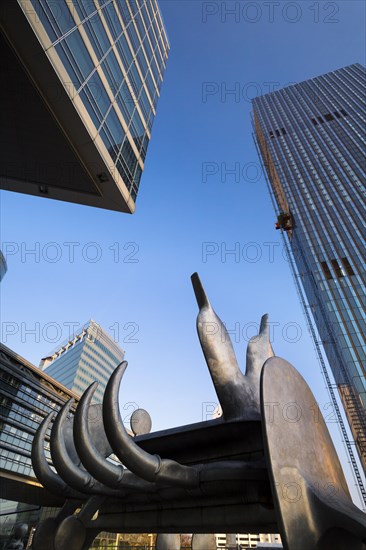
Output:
x=267 y=465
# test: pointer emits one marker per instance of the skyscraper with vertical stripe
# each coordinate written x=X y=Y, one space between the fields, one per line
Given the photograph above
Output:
x=91 y=355
x=311 y=138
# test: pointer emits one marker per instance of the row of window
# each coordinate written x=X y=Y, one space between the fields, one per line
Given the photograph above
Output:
x=14 y=464
x=328 y=117
x=11 y=385
x=76 y=59
x=79 y=389
x=116 y=359
x=95 y=366
x=337 y=268
x=58 y=19
x=277 y=132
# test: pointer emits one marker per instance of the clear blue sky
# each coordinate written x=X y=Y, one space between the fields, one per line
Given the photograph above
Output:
x=186 y=199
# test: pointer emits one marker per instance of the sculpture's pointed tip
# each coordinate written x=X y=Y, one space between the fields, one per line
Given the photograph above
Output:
x=199 y=291
x=264 y=326
x=121 y=368
x=88 y=393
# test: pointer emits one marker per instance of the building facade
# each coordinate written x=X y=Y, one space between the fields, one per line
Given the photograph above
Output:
x=27 y=396
x=249 y=540
x=311 y=137
x=82 y=81
x=90 y=355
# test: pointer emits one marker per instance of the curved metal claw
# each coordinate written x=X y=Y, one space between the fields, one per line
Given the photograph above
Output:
x=141 y=463
x=69 y=471
x=112 y=475
x=238 y=393
x=49 y=479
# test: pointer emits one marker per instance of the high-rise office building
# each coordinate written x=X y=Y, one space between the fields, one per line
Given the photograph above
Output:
x=311 y=137
x=81 y=81
x=91 y=355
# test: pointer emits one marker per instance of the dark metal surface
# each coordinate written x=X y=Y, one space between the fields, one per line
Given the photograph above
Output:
x=312 y=500
x=140 y=422
x=44 y=536
x=43 y=471
x=72 y=532
x=68 y=468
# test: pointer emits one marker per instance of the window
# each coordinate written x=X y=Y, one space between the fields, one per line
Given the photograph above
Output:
x=97 y=35
x=329 y=117
x=128 y=157
x=77 y=47
x=115 y=127
x=347 y=266
x=89 y=105
x=112 y=20
x=326 y=271
x=59 y=15
x=112 y=72
x=45 y=20
x=98 y=93
x=124 y=51
x=337 y=269
x=84 y=8
x=126 y=102
x=69 y=63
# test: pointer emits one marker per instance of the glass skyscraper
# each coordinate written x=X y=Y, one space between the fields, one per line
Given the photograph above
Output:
x=88 y=75
x=91 y=355
x=311 y=137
